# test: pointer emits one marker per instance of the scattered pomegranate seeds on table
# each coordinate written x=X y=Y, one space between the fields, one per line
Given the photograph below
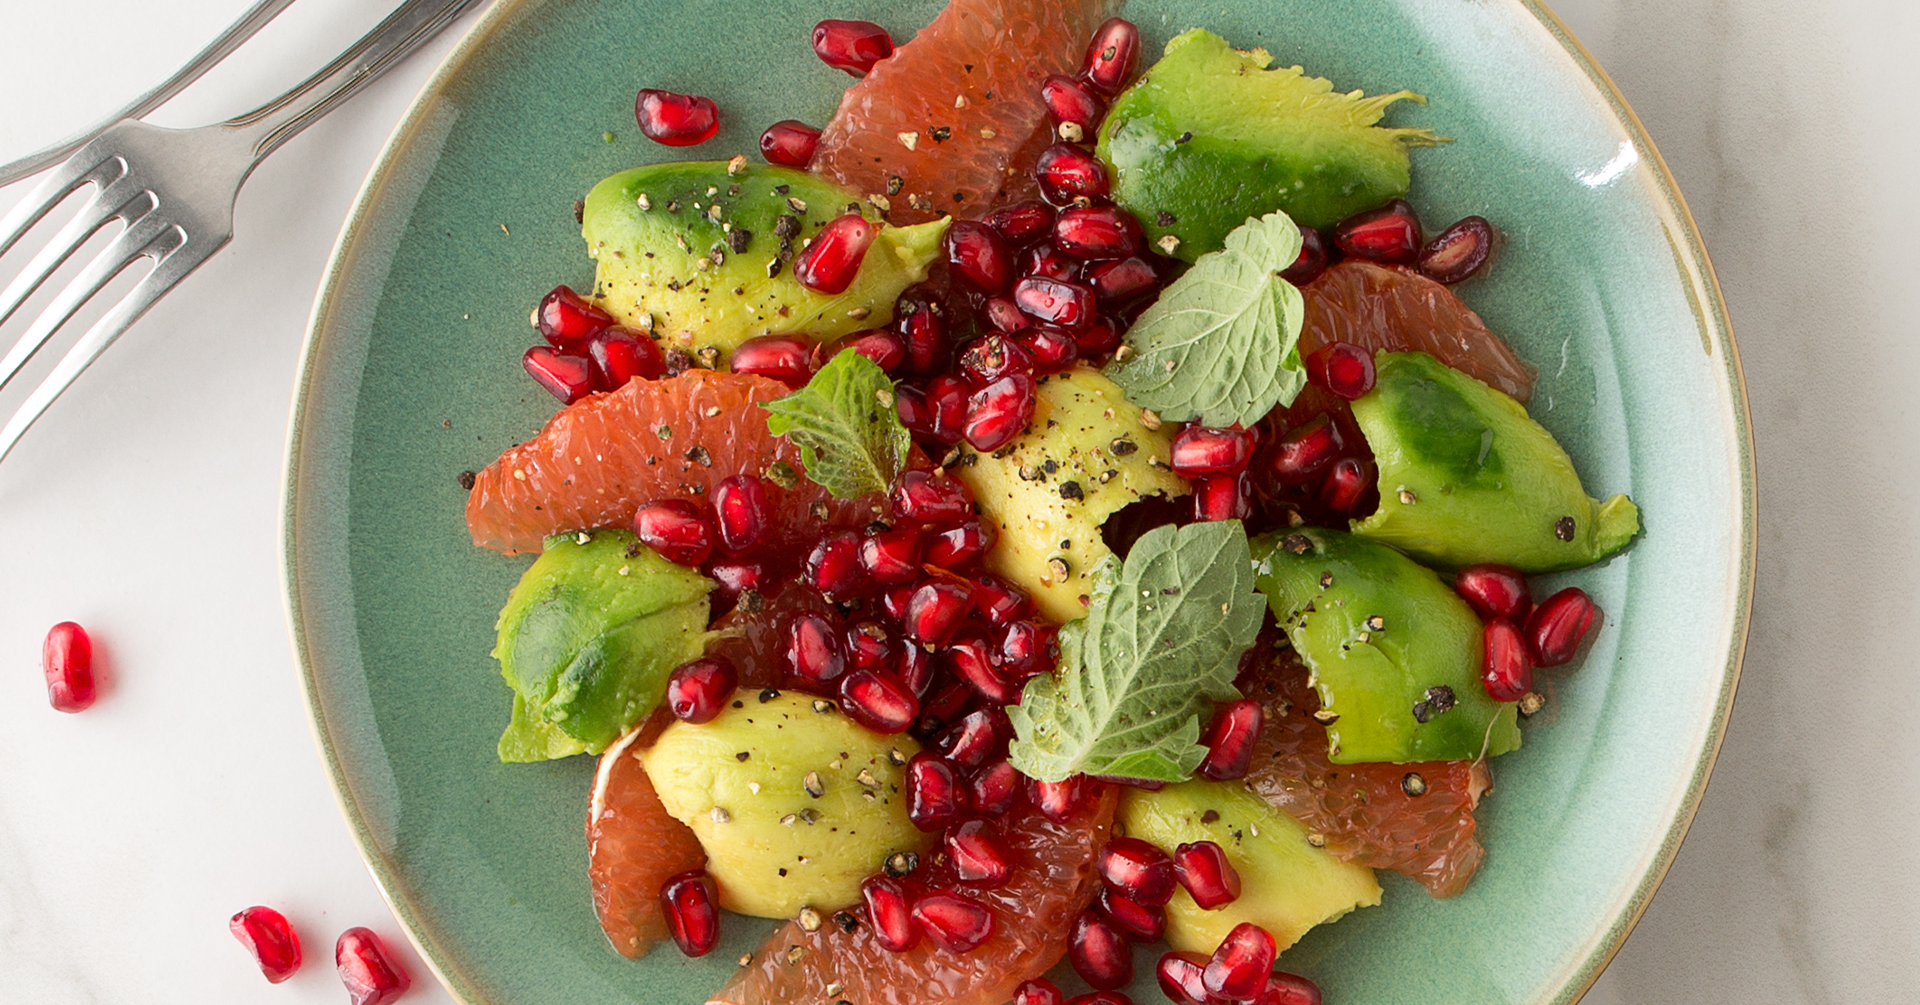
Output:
x=371 y=978
x=270 y=938
x=67 y=659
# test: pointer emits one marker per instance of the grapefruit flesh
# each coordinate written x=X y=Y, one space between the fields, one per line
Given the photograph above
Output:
x=955 y=114
x=633 y=847
x=1385 y=307
x=1053 y=880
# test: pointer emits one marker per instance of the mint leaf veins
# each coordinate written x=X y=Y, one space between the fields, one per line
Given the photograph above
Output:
x=1161 y=640
x=850 y=437
x=1221 y=344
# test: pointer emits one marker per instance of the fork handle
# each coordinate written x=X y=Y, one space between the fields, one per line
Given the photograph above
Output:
x=410 y=25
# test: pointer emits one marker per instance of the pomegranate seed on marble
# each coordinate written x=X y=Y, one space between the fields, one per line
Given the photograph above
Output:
x=933 y=792
x=1229 y=739
x=870 y=645
x=1101 y=336
x=892 y=556
x=1311 y=261
x=924 y=333
x=1051 y=349
x=1057 y=801
x=1494 y=591
x=853 y=46
x=829 y=264
x=1239 y=968
x=735 y=578
x=969 y=657
x=1071 y=104
x=1038 y=991
x=916 y=668
x=976 y=739
x=618 y=355
x=1288 y=989
x=976 y=853
x=994 y=790
x=930 y=497
x=1505 y=666
x=890 y=911
x=999 y=412
x=1054 y=301
x=1137 y=869
x=566 y=320
x=1001 y=314
x=1202 y=867
x=1458 y=252
x=1111 y=56
x=879 y=701
x=959 y=546
x=270 y=938
x=1559 y=625
x=1390 y=234
x=1343 y=368
x=789 y=142
x=1026 y=648
x=676 y=120
x=935 y=609
x=370 y=976
x=786 y=358
x=1099 y=952
x=692 y=908
x=953 y=922
x=977 y=254
x=1137 y=921
x=1067 y=172
x=991 y=357
x=1098 y=232
x=946 y=706
x=1181 y=980
x=833 y=567
x=1304 y=450
x=1347 y=483
x=1022 y=223
x=66 y=659
x=741 y=512
x=676 y=529
x=567 y=376
x=998 y=602
x=698 y=690
x=1222 y=497
x=1198 y=451
x=1118 y=280
x=1101 y=998
x=814 y=651
x=1045 y=260
x=887 y=350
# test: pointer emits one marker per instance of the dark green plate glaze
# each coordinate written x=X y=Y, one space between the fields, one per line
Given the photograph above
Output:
x=412 y=375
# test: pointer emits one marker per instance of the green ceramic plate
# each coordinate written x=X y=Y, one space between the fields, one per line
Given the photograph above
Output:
x=412 y=375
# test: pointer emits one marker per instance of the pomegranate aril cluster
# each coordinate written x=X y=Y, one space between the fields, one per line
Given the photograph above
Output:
x=584 y=351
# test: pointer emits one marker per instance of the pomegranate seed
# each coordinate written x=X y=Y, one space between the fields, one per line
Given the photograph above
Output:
x=736 y=578
x=1505 y=668
x=1559 y=625
x=1038 y=991
x=697 y=691
x=894 y=602
x=1202 y=868
x=1052 y=350
x=675 y=529
x=991 y=357
x=999 y=411
x=1111 y=56
x=1022 y=223
x=1100 y=954
x=916 y=670
x=1305 y=450
x=1137 y=869
x=1229 y=740
x=1223 y=497
x=994 y=790
x=1180 y=976
x=935 y=412
x=742 y=511
x=618 y=355
x=1049 y=262
x=676 y=120
x=789 y=142
x=887 y=350
x=1494 y=591
x=959 y=547
x=946 y=706
x=1066 y=173
x=1239 y=968
x=693 y=911
x=925 y=336
x=980 y=737
x=999 y=603
x=1026 y=649
x=1348 y=483
x=1288 y=989
x=1057 y=801
x=953 y=922
x=1098 y=232
x=66 y=658
x=566 y=320
x=1070 y=101
x=933 y=792
x=371 y=978
x=1098 y=338
x=786 y=358
x=930 y=497
x=565 y=375
x=1054 y=301
x=969 y=657
x=979 y=255
x=935 y=609
x=270 y=938
x=890 y=911
x=1311 y=261
x=1458 y=252
x=853 y=46
x=834 y=567
x=977 y=854
x=869 y=645
x=1389 y=234
x=1116 y=281
x=892 y=556
x=1001 y=314
x=814 y=651
x=829 y=264
x=879 y=701
x=1101 y=998
x=1343 y=368
x=1203 y=450
x=1137 y=921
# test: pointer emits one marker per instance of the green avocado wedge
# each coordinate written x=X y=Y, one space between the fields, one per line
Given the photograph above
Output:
x=1210 y=137
x=1393 y=651
x=1466 y=476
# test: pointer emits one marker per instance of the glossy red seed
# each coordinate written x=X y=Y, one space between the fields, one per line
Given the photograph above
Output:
x=1119 y=280
x=994 y=790
x=270 y=938
x=1099 y=952
x=1071 y=101
x=976 y=854
x=676 y=529
x=1304 y=451
x=1099 y=337
x=566 y=320
x=1137 y=869
x=957 y=547
x=969 y=657
x=618 y=355
x=1057 y=801
x=66 y=659
x=933 y=791
x=945 y=706
x=1038 y=991
x=1049 y=262
x=833 y=567
x=371 y=977
x=1288 y=989
x=930 y=497
x=790 y=143
x=1022 y=223
x=829 y=264
x=991 y=357
x=1111 y=56
x=676 y=120
x=935 y=609
x=1311 y=261
x=1202 y=867
x=924 y=334
x=1458 y=252
x=1506 y=668
x=786 y=358
x=915 y=669
x=892 y=556
x=878 y=700
x=887 y=350
x=735 y=578
x=1222 y=497
x=1343 y=368
x=1026 y=649
x=1054 y=301
x=1052 y=350
x=1559 y=625
x=1495 y=591
x=890 y=912
x=814 y=650
x=870 y=645
x=1239 y=968
x=999 y=412
x=1180 y=977
x=953 y=922
x=853 y=46
x=741 y=513
x=1390 y=234
x=1101 y=998
x=1203 y=450
x=998 y=602
x=1136 y=921
x=979 y=737
x=1066 y=172
x=1098 y=232
x=692 y=907
x=1229 y=739
x=1001 y=314
x=567 y=376
x=977 y=254
x=917 y=413
x=698 y=690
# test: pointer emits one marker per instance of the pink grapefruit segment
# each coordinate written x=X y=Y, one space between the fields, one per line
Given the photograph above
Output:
x=1390 y=307
x=633 y=846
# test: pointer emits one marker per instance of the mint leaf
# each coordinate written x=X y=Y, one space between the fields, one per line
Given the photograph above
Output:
x=850 y=438
x=1221 y=344
x=1161 y=640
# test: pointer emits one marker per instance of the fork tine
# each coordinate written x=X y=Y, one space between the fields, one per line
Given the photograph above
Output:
x=90 y=165
x=107 y=204
x=115 y=257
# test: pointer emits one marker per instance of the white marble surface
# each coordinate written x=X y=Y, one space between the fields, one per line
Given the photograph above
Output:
x=145 y=507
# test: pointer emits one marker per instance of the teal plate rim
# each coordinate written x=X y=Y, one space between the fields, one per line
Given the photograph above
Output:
x=1681 y=233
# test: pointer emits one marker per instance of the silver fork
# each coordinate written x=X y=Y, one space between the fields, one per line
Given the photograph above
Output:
x=174 y=190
